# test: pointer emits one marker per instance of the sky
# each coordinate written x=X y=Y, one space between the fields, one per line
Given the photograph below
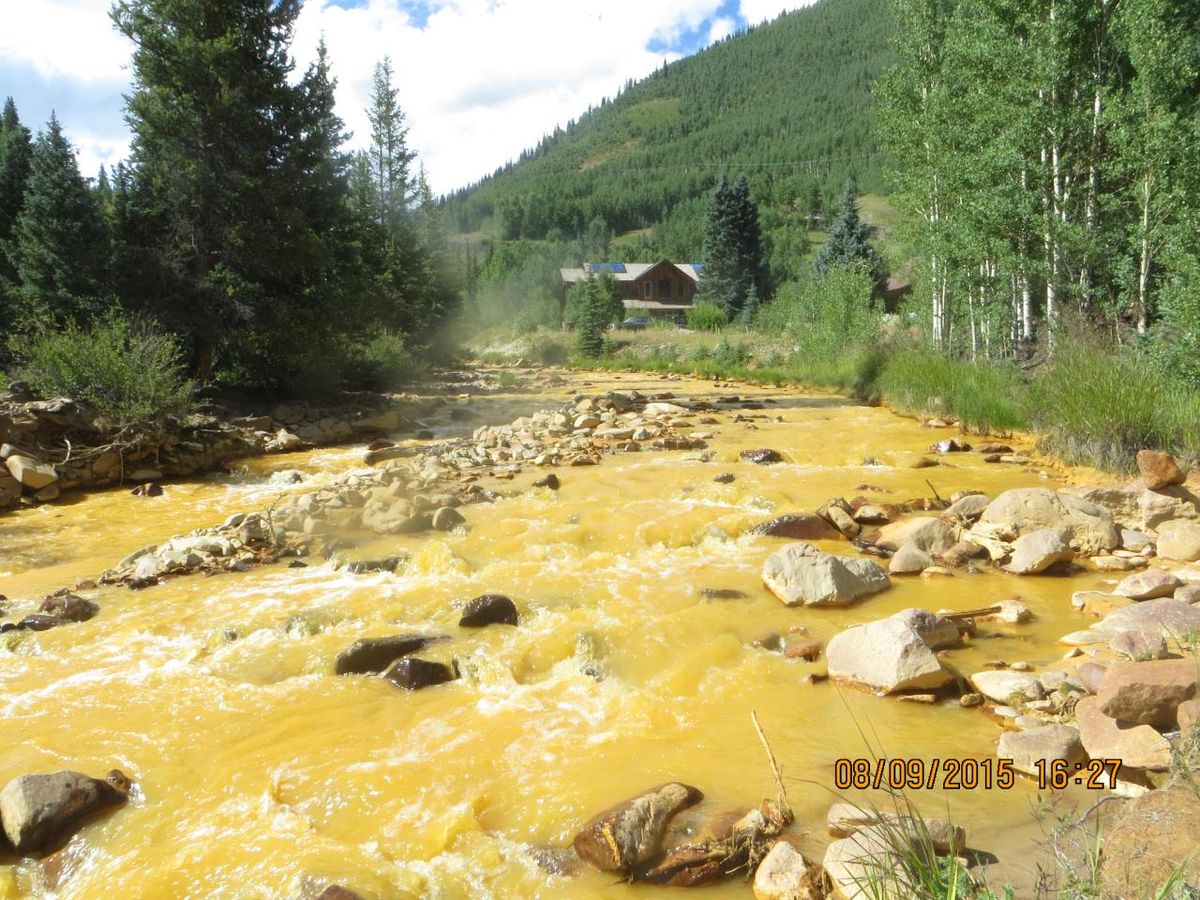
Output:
x=479 y=80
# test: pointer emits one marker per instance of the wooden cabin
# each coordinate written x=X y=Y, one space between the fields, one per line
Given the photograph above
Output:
x=661 y=290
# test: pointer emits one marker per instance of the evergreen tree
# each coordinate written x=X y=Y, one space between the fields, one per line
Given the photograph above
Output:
x=849 y=244
x=59 y=245
x=16 y=152
x=389 y=153
x=234 y=180
x=732 y=248
x=592 y=319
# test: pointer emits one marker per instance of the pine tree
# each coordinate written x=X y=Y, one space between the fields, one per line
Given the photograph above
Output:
x=16 y=152
x=59 y=246
x=732 y=248
x=592 y=320
x=849 y=244
x=389 y=153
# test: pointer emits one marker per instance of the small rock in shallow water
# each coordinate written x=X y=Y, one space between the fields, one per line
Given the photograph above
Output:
x=489 y=609
x=722 y=594
x=370 y=656
x=550 y=481
x=412 y=673
x=762 y=456
x=725 y=478
x=447 y=519
x=629 y=834
x=68 y=607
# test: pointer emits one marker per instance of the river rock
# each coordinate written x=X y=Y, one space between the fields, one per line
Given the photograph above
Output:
x=629 y=835
x=762 y=456
x=1189 y=719
x=968 y=508
x=784 y=874
x=866 y=865
x=927 y=533
x=1149 y=692
x=447 y=519
x=909 y=560
x=68 y=607
x=936 y=631
x=801 y=574
x=1002 y=686
x=1023 y=510
x=30 y=472
x=413 y=673
x=1169 y=617
x=1036 y=551
x=798 y=527
x=1150 y=585
x=1139 y=645
x=887 y=655
x=369 y=656
x=550 y=481
x=1139 y=746
x=10 y=488
x=488 y=609
x=1179 y=540
x=1159 y=470
x=1049 y=742
x=40 y=812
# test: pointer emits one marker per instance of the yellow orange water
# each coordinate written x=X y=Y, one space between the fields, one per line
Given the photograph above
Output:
x=260 y=774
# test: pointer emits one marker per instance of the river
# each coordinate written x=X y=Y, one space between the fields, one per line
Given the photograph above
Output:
x=260 y=774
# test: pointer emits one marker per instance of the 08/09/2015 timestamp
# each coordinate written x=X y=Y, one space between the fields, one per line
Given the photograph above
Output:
x=955 y=774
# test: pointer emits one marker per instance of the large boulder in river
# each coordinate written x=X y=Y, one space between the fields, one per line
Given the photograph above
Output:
x=1036 y=551
x=928 y=533
x=370 y=656
x=1153 y=584
x=1024 y=510
x=40 y=812
x=800 y=574
x=1149 y=692
x=1173 y=619
x=887 y=655
x=1137 y=746
x=1049 y=742
x=30 y=472
x=1179 y=540
x=629 y=835
x=798 y=527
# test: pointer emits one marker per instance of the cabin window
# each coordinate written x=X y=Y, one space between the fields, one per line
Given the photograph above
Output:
x=664 y=289
x=648 y=290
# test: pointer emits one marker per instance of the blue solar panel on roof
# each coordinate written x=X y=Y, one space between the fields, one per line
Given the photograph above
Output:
x=615 y=268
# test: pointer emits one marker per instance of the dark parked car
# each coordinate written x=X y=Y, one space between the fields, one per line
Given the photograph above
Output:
x=634 y=323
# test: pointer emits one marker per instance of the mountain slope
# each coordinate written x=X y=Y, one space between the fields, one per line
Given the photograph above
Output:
x=787 y=102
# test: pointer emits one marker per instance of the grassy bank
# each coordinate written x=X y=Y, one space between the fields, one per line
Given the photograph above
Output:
x=1087 y=406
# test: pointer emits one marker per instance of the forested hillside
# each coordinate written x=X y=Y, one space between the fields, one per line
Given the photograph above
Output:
x=788 y=103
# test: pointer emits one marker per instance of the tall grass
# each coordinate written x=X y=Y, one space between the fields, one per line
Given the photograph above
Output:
x=1096 y=407
x=982 y=396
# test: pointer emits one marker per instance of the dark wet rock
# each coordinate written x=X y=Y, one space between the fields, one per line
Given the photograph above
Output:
x=489 y=609
x=725 y=478
x=996 y=448
x=950 y=445
x=798 y=527
x=550 y=481
x=413 y=673
x=370 y=656
x=367 y=566
x=40 y=812
x=149 y=489
x=925 y=463
x=762 y=456
x=297 y=564
x=68 y=607
x=722 y=594
x=627 y=836
x=39 y=622
x=337 y=892
x=447 y=519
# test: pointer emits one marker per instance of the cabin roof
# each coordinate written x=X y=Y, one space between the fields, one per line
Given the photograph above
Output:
x=629 y=271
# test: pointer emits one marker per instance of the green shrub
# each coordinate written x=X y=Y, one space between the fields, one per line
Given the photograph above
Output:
x=380 y=362
x=128 y=372
x=548 y=350
x=706 y=317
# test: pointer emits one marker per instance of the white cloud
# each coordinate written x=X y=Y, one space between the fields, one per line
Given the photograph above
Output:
x=72 y=38
x=756 y=11
x=481 y=81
